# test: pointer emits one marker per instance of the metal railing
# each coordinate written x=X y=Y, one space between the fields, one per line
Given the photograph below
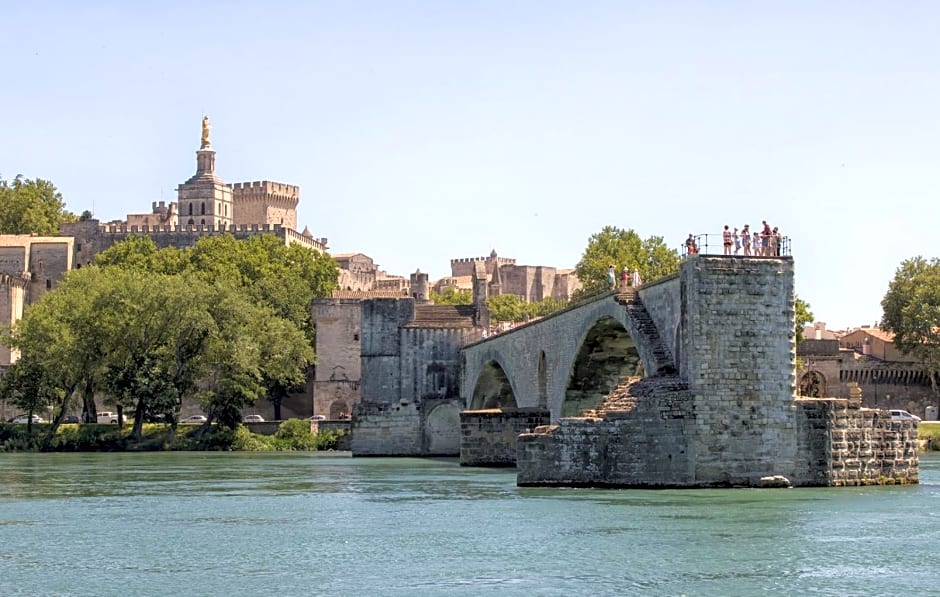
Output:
x=713 y=245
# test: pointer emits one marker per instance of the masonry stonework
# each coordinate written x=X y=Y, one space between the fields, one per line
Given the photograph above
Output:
x=410 y=402
x=488 y=437
x=841 y=444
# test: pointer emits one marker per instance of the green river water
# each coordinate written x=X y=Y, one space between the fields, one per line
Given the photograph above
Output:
x=327 y=524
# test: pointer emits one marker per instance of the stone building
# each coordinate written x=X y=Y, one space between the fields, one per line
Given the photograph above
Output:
x=830 y=368
x=30 y=266
x=410 y=377
x=531 y=283
x=161 y=215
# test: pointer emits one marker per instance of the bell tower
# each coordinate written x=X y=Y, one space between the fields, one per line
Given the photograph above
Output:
x=205 y=199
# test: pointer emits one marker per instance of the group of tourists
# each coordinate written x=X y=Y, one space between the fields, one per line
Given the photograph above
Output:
x=627 y=277
x=767 y=243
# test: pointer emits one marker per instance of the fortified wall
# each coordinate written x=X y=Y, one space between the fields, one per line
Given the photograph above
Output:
x=91 y=237
x=410 y=401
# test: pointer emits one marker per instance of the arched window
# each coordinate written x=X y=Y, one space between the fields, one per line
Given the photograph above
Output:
x=190 y=209
x=203 y=212
x=202 y=222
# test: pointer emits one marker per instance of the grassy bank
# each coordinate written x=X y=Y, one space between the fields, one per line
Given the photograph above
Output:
x=293 y=434
x=929 y=430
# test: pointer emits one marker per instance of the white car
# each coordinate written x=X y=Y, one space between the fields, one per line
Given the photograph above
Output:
x=903 y=415
x=252 y=419
x=195 y=419
x=25 y=419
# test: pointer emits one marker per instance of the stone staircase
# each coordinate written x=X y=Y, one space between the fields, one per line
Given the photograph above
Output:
x=643 y=323
x=443 y=316
x=624 y=396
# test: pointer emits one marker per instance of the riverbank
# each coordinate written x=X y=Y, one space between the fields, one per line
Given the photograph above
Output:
x=293 y=434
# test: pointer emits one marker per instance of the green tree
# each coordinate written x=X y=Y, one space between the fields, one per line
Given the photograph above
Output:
x=508 y=307
x=26 y=385
x=911 y=310
x=623 y=249
x=804 y=317
x=451 y=296
x=62 y=336
x=31 y=207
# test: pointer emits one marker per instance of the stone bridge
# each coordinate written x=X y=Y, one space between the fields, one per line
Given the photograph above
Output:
x=686 y=382
x=568 y=361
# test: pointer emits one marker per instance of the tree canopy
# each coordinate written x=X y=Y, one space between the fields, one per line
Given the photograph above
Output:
x=912 y=311
x=803 y=317
x=31 y=207
x=509 y=307
x=226 y=322
x=623 y=249
x=451 y=296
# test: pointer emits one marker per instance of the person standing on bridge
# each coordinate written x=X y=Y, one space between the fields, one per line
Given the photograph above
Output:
x=624 y=278
x=611 y=277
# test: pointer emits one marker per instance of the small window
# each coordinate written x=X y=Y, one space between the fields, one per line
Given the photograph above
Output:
x=203 y=208
x=190 y=210
x=78 y=247
x=355 y=337
x=48 y=284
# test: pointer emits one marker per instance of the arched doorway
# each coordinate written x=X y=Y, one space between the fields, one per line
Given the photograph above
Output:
x=493 y=389
x=607 y=356
x=813 y=385
x=443 y=429
x=339 y=410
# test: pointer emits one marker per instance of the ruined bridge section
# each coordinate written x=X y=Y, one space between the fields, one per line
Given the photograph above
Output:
x=568 y=361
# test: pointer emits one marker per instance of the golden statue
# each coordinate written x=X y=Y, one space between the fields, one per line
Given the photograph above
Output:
x=206 y=127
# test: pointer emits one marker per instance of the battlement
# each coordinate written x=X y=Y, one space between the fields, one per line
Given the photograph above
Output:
x=121 y=228
x=500 y=260
x=261 y=188
x=292 y=237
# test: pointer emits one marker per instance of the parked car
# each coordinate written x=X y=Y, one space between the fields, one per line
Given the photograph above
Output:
x=71 y=419
x=25 y=419
x=195 y=419
x=253 y=419
x=317 y=418
x=903 y=415
x=111 y=418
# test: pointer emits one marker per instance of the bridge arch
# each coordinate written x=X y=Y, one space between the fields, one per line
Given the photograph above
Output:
x=607 y=353
x=493 y=389
x=544 y=361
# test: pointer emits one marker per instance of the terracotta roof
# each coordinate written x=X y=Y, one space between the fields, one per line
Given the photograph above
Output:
x=875 y=332
x=443 y=316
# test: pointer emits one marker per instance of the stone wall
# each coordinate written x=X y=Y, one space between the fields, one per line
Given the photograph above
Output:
x=410 y=401
x=738 y=357
x=662 y=302
x=844 y=445
x=644 y=447
x=337 y=373
x=488 y=437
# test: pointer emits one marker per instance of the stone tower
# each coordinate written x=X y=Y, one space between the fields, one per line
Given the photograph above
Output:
x=205 y=199
x=419 y=287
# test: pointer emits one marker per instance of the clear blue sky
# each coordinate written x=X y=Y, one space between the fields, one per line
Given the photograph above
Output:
x=423 y=131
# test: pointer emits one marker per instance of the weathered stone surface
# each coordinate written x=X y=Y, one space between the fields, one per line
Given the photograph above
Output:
x=488 y=437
